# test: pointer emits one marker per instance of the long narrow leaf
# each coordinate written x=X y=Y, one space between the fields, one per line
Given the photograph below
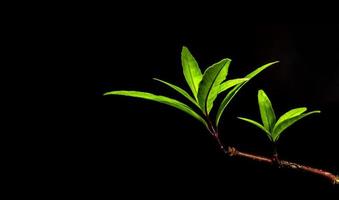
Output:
x=257 y=125
x=230 y=83
x=290 y=114
x=260 y=69
x=161 y=99
x=236 y=89
x=191 y=70
x=178 y=89
x=210 y=83
x=287 y=123
x=266 y=111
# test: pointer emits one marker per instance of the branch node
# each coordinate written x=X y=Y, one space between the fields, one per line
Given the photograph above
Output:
x=275 y=160
x=232 y=151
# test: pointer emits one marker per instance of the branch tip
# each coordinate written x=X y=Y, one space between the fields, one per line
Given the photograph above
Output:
x=336 y=181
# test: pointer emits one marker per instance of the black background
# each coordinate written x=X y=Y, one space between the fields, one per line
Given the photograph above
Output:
x=112 y=145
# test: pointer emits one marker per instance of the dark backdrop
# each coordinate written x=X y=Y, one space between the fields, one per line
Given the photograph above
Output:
x=121 y=145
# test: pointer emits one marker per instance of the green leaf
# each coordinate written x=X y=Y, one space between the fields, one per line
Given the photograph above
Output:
x=257 y=125
x=181 y=91
x=260 y=69
x=290 y=114
x=279 y=128
x=191 y=70
x=236 y=89
x=266 y=111
x=161 y=99
x=230 y=83
x=210 y=83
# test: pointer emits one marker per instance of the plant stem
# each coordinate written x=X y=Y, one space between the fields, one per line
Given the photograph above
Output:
x=221 y=145
x=233 y=152
x=211 y=128
x=275 y=157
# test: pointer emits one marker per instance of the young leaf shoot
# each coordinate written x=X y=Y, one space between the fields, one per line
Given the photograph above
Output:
x=270 y=126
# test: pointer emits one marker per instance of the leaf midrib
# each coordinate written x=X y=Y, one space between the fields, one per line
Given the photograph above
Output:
x=267 y=117
x=209 y=89
x=194 y=88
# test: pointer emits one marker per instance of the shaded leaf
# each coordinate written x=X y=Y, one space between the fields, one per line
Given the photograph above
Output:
x=287 y=123
x=181 y=91
x=266 y=111
x=209 y=85
x=230 y=83
x=191 y=70
x=161 y=99
x=236 y=89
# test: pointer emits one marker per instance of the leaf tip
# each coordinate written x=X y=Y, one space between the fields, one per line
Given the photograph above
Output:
x=274 y=62
x=228 y=59
x=184 y=48
x=315 y=111
x=242 y=118
x=261 y=92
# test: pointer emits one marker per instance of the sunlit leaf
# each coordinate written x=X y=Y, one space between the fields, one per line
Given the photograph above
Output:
x=260 y=69
x=279 y=128
x=161 y=99
x=181 y=91
x=191 y=70
x=231 y=83
x=290 y=114
x=236 y=89
x=266 y=111
x=210 y=83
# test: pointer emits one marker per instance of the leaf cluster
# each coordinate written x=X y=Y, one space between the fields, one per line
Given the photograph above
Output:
x=270 y=125
x=204 y=89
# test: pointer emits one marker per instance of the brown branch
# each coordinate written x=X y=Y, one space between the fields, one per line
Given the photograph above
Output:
x=231 y=151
